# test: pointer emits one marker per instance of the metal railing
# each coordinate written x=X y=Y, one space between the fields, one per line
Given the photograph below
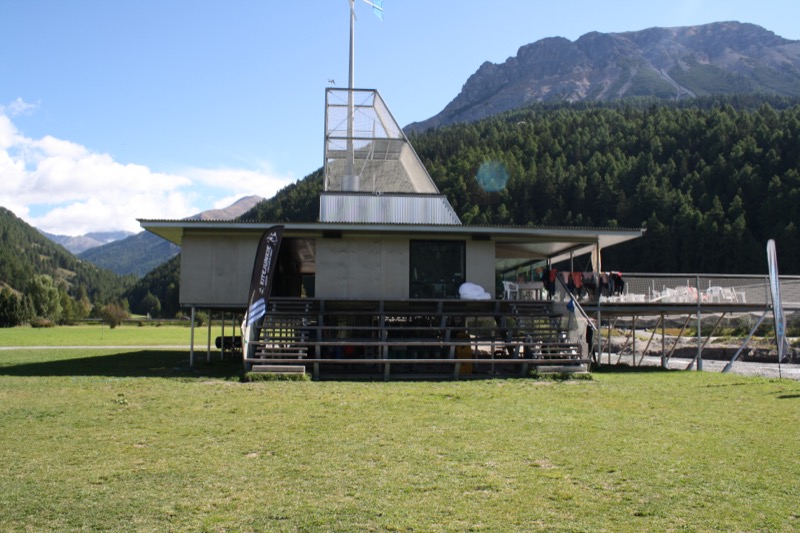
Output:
x=707 y=288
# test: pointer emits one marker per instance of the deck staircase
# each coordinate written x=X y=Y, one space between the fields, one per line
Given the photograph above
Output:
x=411 y=337
x=282 y=337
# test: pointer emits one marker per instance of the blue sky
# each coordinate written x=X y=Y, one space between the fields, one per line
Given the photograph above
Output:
x=112 y=110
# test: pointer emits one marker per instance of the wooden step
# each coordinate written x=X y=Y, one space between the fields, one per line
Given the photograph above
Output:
x=562 y=369
x=273 y=351
x=279 y=369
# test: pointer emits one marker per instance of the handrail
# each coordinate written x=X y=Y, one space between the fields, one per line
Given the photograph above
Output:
x=578 y=306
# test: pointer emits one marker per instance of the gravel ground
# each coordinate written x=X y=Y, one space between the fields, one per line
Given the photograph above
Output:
x=767 y=370
x=757 y=359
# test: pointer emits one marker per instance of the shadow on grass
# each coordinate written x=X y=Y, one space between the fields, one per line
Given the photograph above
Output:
x=628 y=369
x=139 y=363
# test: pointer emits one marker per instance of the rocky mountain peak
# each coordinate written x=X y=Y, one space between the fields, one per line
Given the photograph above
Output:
x=669 y=63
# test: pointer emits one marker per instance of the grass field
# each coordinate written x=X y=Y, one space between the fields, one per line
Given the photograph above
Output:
x=132 y=440
x=102 y=335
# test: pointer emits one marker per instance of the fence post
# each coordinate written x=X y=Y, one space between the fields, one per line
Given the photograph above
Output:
x=663 y=342
x=699 y=327
x=191 y=341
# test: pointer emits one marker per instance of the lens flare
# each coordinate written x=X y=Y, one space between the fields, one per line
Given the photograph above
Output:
x=492 y=176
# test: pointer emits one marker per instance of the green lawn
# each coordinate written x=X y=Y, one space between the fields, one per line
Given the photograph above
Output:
x=133 y=440
x=102 y=335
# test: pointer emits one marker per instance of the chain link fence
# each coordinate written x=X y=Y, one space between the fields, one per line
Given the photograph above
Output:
x=708 y=288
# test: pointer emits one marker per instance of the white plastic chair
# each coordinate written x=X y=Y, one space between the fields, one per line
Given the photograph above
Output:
x=729 y=295
x=510 y=290
x=714 y=294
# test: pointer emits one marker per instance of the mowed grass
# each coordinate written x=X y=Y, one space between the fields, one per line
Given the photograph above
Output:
x=102 y=335
x=133 y=440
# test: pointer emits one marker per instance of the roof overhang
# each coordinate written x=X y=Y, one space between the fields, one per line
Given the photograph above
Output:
x=515 y=244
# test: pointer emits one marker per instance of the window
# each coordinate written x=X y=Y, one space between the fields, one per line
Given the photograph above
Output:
x=437 y=268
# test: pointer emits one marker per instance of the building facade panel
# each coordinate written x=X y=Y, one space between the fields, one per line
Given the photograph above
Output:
x=364 y=267
x=394 y=258
x=481 y=264
x=216 y=272
x=332 y=275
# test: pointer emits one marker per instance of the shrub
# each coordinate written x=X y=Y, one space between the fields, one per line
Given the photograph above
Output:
x=560 y=376
x=251 y=377
x=113 y=314
x=793 y=325
x=742 y=325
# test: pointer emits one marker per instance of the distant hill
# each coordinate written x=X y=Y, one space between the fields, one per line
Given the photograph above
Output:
x=666 y=63
x=137 y=254
x=25 y=252
x=81 y=243
x=144 y=251
x=235 y=210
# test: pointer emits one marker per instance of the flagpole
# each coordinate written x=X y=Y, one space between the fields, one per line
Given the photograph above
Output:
x=350 y=182
x=350 y=168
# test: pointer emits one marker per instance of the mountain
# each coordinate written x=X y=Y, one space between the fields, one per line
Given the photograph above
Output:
x=235 y=210
x=81 y=243
x=142 y=252
x=25 y=253
x=664 y=63
x=137 y=254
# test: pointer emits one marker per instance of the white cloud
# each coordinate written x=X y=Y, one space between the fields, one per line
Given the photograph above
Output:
x=61 y=187
x=8 y=132
x=240 y=182
x=96 y=214
x=18 y=107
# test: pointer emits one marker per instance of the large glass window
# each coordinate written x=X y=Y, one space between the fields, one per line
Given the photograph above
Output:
x=437 y=268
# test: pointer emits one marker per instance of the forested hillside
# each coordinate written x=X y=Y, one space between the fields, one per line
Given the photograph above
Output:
x=137 y=254
x=298 y=202
x=710 y=183
x=156 y=294
x=40 y=279
x=712 y=179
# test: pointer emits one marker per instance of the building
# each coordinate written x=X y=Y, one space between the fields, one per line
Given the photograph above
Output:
x=385 y=235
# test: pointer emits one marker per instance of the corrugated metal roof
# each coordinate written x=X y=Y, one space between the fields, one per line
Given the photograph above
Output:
x=386 y=208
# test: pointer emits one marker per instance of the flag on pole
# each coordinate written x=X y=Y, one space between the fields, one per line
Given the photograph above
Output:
x=260 y=287
x=377 y=7
x=777 y=305
x=263 y=270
